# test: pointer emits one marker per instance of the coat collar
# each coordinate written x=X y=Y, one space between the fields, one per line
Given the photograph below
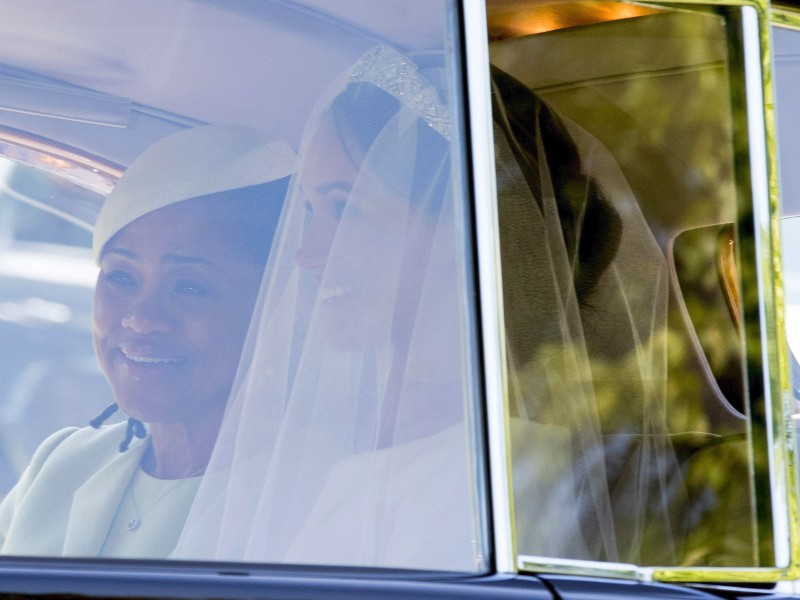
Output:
x=96 y=502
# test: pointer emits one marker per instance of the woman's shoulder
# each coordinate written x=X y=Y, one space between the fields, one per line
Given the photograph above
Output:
x=81 y=443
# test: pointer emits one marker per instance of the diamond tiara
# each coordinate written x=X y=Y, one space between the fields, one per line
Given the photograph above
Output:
x=396 y=75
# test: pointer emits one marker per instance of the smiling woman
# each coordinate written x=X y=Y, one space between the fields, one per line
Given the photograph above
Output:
x=172 y=304
x=181 y=244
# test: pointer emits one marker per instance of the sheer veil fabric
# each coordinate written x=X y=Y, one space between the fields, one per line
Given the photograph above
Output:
x=349 y=435
x=346 y=438
x=586 y=296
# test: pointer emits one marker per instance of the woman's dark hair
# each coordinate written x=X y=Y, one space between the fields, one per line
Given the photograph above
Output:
x=590 y=226
x=250 y=215
x=362 y=111
x=247 y=216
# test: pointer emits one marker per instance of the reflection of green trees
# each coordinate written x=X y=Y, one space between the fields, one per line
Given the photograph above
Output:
x=678 y=134
x=692 y=484
x=667 y=123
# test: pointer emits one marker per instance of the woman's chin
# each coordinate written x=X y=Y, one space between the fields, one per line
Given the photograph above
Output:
x=153 y=407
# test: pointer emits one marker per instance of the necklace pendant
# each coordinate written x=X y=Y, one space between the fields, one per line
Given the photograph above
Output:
x=133 y=524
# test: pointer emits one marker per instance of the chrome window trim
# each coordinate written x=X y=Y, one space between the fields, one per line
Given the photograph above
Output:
x=585 y=568
x=760 y=190
x=489 y=284
x=58 y=159
x=788 y=18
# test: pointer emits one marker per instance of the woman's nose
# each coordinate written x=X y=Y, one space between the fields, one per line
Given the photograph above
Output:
x=313 y=252
x=147 y=315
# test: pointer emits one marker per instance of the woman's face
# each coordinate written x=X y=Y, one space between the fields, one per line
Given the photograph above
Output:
x=354 y=243
x=172 y=307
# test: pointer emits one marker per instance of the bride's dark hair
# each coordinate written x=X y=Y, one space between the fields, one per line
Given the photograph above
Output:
x=249 y=216
x=362 y=111
x=544 y=159
x=590 y=225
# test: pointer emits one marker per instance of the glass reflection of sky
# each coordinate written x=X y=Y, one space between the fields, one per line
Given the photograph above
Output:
x=790 y=236
x=787 y=87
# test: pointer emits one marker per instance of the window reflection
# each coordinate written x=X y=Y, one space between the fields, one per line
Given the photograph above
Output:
x=181 y=243
x=310 y=401
x=639 y=343
x=49 y=376
x=352 y=442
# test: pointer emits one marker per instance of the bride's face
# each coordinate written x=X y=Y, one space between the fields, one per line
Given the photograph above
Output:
x=355 y=243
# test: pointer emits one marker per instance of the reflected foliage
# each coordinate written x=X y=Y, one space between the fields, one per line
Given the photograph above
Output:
x=670 y=401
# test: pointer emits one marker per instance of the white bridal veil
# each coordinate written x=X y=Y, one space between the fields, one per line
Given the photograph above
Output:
x=586 y=294
x=351 y=430
x=346 y=439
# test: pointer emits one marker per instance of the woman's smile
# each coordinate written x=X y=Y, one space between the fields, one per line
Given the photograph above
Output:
x=145 y=357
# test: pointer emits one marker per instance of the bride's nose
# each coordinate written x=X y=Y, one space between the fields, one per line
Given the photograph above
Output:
x=312 y=255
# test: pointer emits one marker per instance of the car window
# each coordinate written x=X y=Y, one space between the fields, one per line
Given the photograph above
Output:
x=630 y=298
x=237 y=302
x=51 y=379
x=245 y=316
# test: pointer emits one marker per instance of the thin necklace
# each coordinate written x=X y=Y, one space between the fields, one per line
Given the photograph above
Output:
x=135 y=522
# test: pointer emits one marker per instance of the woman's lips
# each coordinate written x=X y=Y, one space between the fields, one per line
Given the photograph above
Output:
x=150 y=358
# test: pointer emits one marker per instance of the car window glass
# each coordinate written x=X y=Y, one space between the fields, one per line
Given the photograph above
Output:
x=631 y=309
x=241 y=269
x=51 y=378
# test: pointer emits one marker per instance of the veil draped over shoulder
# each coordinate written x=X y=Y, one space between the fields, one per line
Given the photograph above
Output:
x=352 y=428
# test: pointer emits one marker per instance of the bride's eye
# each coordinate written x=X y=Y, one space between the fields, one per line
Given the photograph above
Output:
x=191 y=288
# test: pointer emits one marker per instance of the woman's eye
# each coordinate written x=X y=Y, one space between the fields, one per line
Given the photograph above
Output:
x=119 y=278
x=192 y=288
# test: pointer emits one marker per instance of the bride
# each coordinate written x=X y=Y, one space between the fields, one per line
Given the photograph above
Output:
x=363 y=428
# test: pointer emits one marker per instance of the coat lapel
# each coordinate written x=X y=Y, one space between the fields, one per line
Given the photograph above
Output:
x=95 y=503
